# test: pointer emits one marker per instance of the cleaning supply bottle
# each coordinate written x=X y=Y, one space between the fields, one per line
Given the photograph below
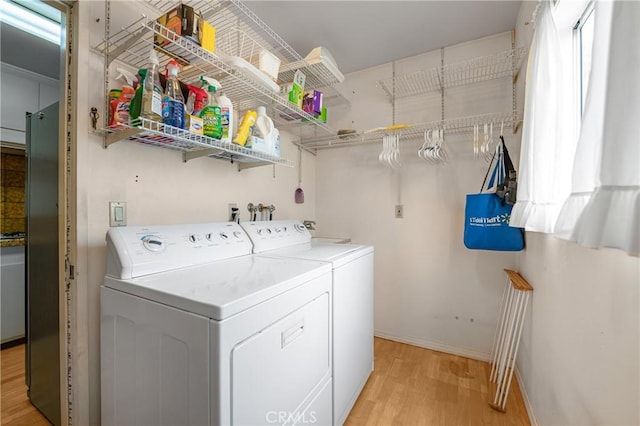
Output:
x=211 y=114
x=136 y=102
x=151 y=107
x=226 y=111
x=264 y=125
x=119 y=116
x=173 y=101
x=197 y=100
x=246 y=127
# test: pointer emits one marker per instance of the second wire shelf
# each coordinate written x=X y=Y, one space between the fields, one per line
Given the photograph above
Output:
x=451 y=126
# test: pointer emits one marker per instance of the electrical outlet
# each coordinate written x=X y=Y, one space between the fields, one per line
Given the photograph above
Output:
x=233 y=207
x=399 y=211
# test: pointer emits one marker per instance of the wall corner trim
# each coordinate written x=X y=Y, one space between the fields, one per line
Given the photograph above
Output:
x=525 y=397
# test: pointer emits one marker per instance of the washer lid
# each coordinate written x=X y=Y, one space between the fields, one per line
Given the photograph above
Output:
x=219 y=290
x=338 y=254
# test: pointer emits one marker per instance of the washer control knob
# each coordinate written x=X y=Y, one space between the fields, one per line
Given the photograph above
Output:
x=260 y=231
x=224 y=236
x=153 y=243
x=284 y=229
x=269 y=231
x=237 y=234
x=209 y=236
x=278 y=230
x=193 y=238
x=299 y=228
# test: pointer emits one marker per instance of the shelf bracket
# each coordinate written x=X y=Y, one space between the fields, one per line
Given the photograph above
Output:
x=114 y=137
x=190 y=155
x=243 y=166
x=135 y=38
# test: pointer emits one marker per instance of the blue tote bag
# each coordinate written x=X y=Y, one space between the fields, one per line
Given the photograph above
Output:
x=487 y=214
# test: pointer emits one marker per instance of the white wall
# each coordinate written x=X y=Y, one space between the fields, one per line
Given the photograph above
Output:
x=580 y=350
x=429 y=289
x=22 y=91
x=159 y=189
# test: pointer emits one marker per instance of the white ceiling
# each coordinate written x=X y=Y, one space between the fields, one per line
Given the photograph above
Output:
x=362 y=34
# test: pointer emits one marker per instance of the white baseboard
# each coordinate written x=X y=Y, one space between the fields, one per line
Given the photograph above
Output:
x=468 y=353
x=525 y=397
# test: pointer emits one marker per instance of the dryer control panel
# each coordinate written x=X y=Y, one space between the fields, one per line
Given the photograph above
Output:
x=135 y=251
x=271 y=235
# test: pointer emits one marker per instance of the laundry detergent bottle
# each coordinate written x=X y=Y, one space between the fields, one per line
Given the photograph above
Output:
x=173 y=101
x=264 y=124
x=211 y=114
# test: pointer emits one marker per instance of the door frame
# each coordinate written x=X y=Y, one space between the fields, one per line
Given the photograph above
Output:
x=66 y=200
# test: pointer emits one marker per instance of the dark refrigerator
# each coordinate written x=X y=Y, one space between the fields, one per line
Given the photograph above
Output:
x=42 y=281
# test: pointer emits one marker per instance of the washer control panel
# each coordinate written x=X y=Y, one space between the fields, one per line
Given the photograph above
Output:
x=271 y=235
x=140 y=250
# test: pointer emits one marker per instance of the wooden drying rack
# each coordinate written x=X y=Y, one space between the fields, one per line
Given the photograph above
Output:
x=515 y=299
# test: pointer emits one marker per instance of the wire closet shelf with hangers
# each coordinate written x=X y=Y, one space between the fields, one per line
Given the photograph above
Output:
x=496 y=66
x=452 y=126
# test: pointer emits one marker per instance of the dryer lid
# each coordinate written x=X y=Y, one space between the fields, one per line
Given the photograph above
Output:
x=219 y=290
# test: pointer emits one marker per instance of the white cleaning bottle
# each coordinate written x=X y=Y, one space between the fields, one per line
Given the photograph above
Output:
x=227 y=118
x=264 y=124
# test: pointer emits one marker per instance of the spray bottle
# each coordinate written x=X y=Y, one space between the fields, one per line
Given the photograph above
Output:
x=211 y=114
x=173 y=101
x=151 y=107
x=197 y=100
x=120 y=107
x=136 y=102
x=226 y=111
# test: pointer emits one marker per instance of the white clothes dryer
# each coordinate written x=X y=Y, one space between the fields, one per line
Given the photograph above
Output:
x=197 y=331
x=352 y=279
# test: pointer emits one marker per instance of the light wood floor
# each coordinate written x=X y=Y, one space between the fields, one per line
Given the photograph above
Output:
x=410 y=386
x=16 y=408
x=414 y=386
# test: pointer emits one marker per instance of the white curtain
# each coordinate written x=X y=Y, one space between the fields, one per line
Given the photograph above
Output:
x=604 y=207
x=543 y=181
x=586 y=165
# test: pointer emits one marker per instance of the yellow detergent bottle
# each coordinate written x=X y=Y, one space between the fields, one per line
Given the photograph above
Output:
x=246 y=127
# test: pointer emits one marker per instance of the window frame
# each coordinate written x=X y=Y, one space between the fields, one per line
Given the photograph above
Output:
x=580 y=94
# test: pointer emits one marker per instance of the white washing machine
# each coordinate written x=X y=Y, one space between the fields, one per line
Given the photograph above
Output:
x=352 y=277
x=197 y=331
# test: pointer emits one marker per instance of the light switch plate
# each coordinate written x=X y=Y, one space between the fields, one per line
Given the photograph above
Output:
x=117 y=213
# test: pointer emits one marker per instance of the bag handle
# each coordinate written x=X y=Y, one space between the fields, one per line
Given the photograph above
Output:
x=497 y=176
x=508 y=164
x=488 y=170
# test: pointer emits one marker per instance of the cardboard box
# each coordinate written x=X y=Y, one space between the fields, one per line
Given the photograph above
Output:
x=312 y=102
x=293 y=92
x=194 y=124
x=299 y=78
x=207 y=36
x=182 y=20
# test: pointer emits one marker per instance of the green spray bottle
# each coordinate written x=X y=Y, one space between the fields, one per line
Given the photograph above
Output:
x=211 y=114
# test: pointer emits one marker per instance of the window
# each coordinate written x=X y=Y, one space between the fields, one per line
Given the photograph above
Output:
x=584 y=37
